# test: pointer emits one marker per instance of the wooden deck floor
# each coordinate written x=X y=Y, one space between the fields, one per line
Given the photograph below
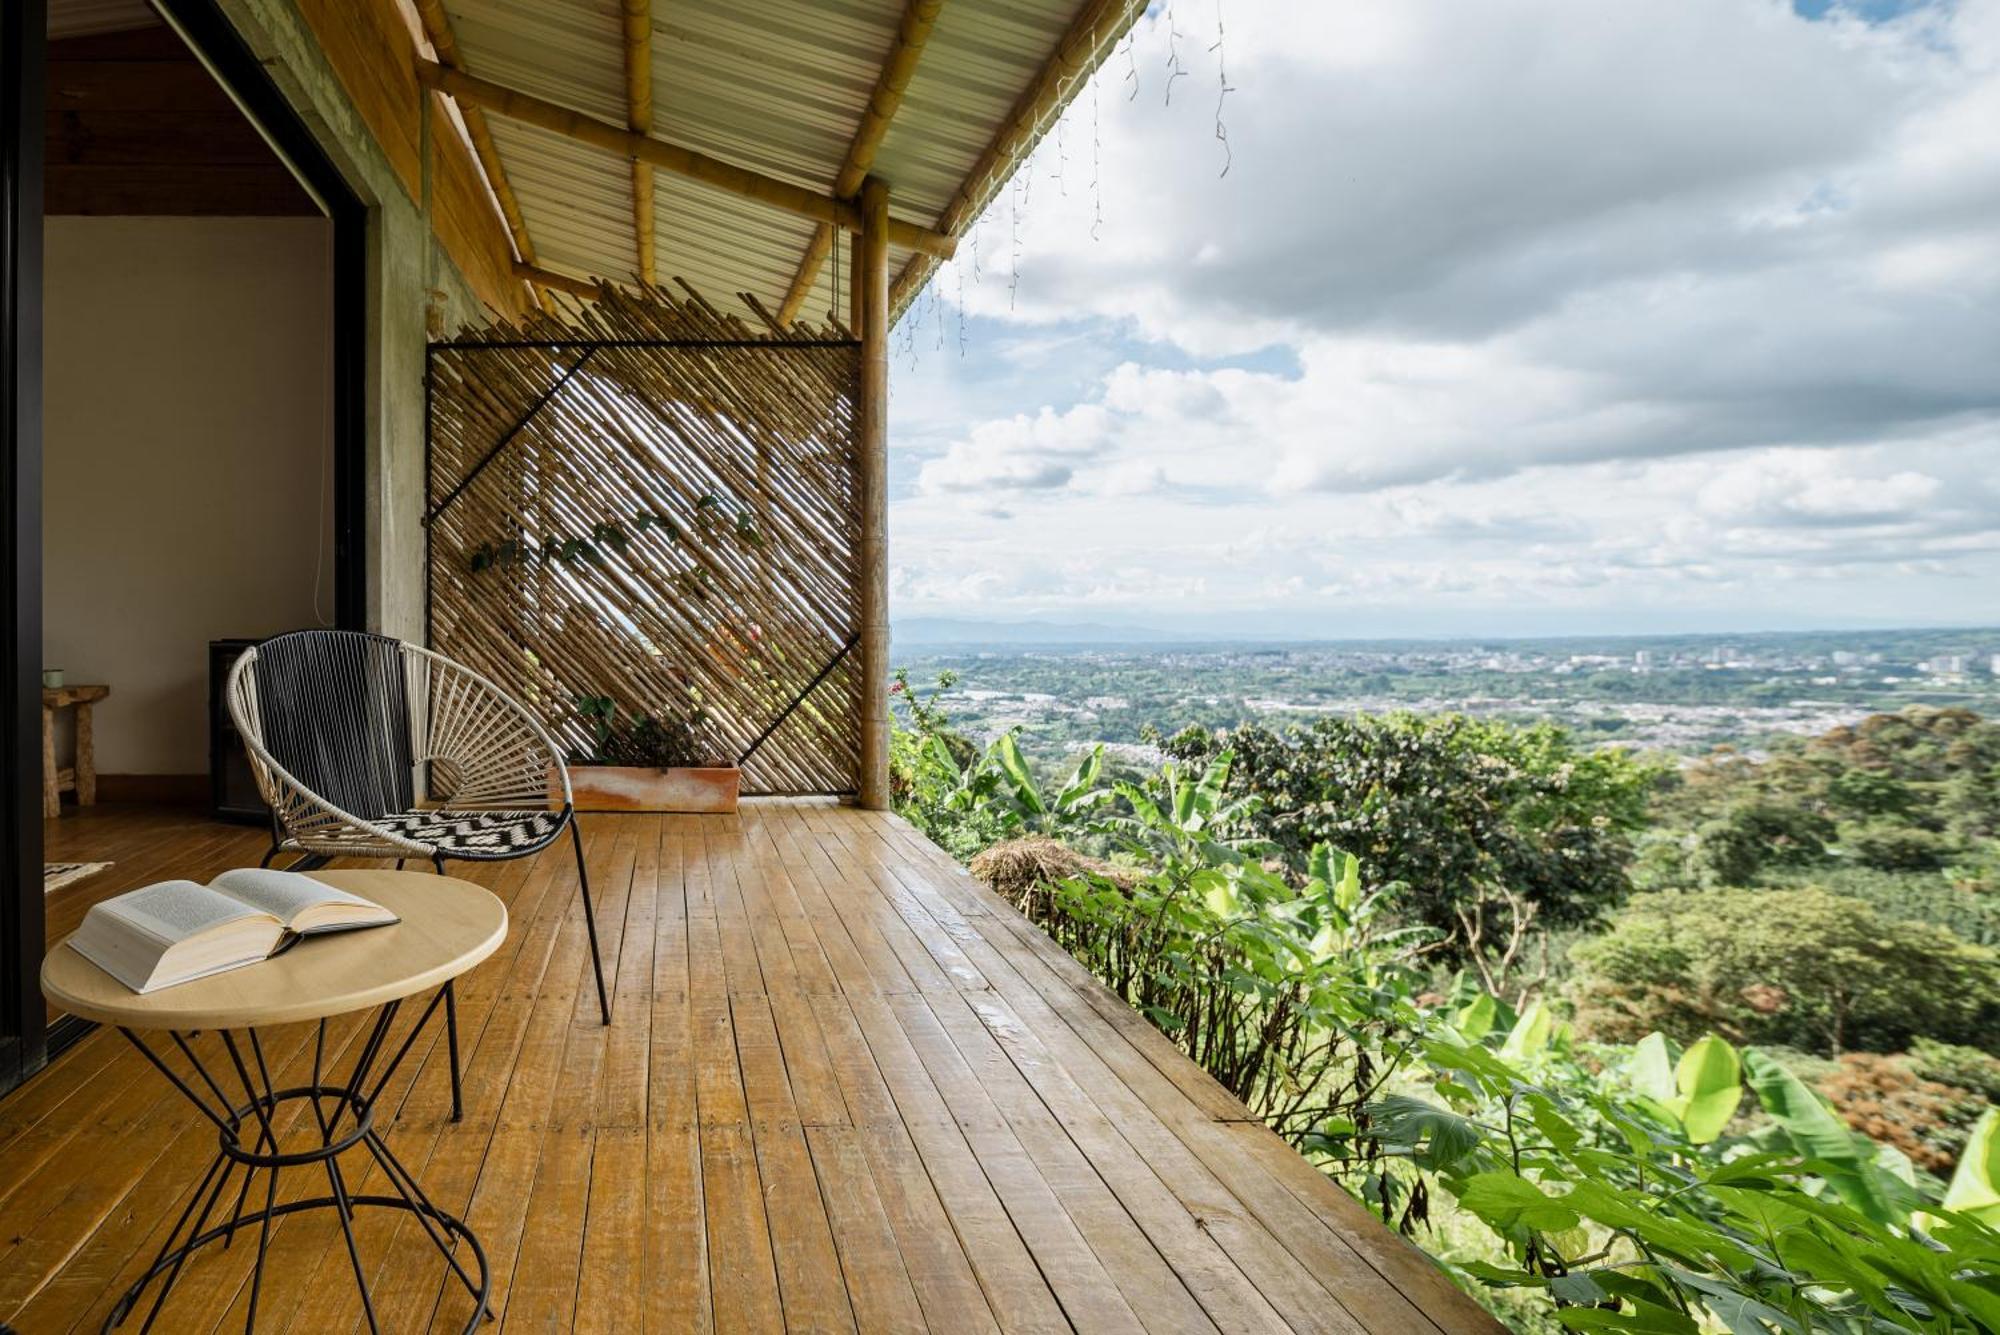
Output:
x=844 y=1087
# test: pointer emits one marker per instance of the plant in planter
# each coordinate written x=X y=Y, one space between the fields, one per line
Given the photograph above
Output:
x=647 y=763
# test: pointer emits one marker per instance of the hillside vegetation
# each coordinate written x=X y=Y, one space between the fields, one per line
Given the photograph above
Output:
x=1628 y=1045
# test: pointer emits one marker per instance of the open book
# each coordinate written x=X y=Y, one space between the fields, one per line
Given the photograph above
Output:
x=176 y=931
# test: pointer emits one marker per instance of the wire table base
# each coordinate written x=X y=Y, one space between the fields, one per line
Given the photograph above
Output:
x=248 y=1134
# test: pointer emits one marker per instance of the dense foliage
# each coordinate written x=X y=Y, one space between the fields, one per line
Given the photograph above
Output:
x=1801 y=967
x=1467 y=814
x=1320 y=919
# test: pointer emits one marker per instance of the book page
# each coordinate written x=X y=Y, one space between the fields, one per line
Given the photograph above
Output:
x=175 y=910
x=283 y=893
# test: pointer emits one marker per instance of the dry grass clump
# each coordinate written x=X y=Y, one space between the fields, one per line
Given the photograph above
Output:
x=1021 y=870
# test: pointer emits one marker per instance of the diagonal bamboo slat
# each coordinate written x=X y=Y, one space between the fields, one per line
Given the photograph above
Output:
x=656 y=502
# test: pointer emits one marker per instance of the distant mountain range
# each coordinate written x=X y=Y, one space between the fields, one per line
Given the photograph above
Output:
x=925 y=632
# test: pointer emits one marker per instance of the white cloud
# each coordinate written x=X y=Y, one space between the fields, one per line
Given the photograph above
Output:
x=1538 y=303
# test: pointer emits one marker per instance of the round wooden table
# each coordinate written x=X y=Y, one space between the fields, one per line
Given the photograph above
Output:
x=448 y=926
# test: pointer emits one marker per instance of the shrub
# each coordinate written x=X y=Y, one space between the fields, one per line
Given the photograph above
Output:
x=1801 y=966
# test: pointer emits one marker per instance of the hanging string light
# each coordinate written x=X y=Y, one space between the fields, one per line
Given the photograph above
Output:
x=1132 y=66
x=1096 y=168
x=1175 y=70
x=1018 y=197
x=1223 y=90
x=1062 y=154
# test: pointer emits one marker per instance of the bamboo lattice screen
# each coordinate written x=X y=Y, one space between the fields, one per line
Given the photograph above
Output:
x=655 y=502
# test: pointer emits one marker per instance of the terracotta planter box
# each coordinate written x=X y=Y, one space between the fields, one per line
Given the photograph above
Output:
x=629 y=788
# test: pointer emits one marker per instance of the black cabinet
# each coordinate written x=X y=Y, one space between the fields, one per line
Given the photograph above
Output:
x=232 y=786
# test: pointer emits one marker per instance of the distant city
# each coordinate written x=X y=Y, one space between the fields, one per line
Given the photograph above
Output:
x=1685 y=694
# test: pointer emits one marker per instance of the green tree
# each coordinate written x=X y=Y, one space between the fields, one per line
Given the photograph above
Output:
x=1800 y=966
x=1460 y=811
x=1736 y=847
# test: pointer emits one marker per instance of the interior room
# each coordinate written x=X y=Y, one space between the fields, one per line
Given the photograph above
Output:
x=189 y=435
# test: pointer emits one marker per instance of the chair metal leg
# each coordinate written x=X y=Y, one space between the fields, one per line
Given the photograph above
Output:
x=590 y=921
x=451 y=1025
x=451 y=1042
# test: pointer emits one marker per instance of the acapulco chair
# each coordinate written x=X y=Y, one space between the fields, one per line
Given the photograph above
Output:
x=347 y=731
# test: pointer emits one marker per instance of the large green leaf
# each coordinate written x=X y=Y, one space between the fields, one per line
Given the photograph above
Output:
x=1975 y=1187
x=1082 y=780
x=1652 y=1069
x=1708 y=1087
x=1478 y=1019
x=1531 y=1033
x=1509 y=1202
x=1845 y=1159
x=1007 y=752
x=1435 y=1137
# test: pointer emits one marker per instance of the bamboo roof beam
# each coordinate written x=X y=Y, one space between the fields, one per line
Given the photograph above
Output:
x=1081 y=50
x=437 y=27
x=883 y=102
x=561 y=282
x=726 y=176
x=639 y=119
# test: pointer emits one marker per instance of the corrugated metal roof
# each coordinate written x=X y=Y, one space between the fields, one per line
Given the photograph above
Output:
x=778 y=86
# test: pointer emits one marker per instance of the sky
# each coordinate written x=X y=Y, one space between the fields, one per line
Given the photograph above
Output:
x=1515 y=317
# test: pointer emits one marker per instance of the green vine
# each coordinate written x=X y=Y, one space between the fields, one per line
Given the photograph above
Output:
x=714 y=515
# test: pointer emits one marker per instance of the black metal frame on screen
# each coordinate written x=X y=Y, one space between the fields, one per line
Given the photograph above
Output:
x=24 y=1042
x=590 y=347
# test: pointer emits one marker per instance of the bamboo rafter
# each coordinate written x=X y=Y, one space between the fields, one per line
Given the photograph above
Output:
x=736 y=594
x=696 y=166
x=884 y=100
x=639 y=118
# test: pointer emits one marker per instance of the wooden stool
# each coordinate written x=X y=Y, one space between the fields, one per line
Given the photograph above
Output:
x=82 y=778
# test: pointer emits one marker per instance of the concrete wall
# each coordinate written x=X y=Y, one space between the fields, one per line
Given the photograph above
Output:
x=187 y=428
x=406 y=267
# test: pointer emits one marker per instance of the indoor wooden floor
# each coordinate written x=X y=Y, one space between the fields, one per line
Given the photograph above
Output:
x=845 y=1086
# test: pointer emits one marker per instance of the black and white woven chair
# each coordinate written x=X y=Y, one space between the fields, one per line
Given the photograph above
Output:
x=371 y=747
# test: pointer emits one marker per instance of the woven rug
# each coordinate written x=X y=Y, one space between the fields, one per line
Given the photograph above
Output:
x=56 y=875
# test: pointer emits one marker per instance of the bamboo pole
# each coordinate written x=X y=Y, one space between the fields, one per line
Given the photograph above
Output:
x=883 y=102
x=639 y=118
x=1082 y=48
x=871 y=278
x=726 y=176
x=562 y=282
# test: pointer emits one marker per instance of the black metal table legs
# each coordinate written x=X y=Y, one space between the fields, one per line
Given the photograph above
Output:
x=254 y=1138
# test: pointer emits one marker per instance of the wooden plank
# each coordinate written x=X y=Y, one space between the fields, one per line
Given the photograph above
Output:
x=845 y=1147
x=466 y=219
x=368 y=44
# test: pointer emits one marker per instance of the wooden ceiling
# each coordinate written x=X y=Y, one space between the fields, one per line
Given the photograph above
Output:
x=136 y=126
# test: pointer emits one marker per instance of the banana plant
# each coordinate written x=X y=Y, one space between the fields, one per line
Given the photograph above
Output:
x=1046 y=813
x=1975 y=1186
x=1855 y=1168
x=1178 y=817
